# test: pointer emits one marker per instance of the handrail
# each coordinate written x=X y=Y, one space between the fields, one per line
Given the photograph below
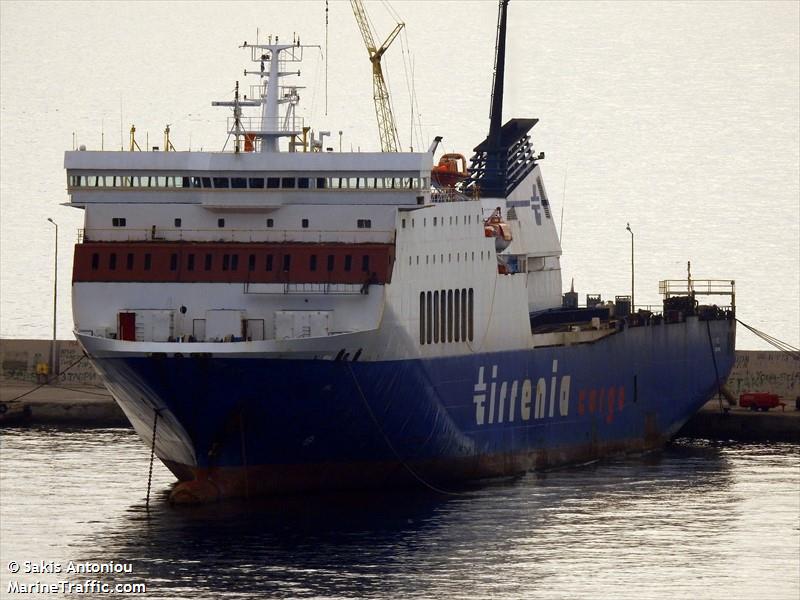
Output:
x=175 y=234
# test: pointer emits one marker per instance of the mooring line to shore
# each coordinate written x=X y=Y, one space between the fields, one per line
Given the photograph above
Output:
x=773 y=341
x=50 y=380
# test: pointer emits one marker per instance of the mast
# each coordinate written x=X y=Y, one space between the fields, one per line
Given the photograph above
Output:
x=270 y=57
x=503 y=160
x=496 y=112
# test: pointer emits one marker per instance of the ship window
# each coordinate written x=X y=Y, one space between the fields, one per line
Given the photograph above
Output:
x=251 y=262
x=434 y=221
x=226 y=262
x=456 y=318
x=312 y=262
x=412 y=223
x=273 y=182
x=221 y=182
x=365 y=263
x=348 y=262
x=95 y=261
x=220 y=222
x=161 y=181
x=362 y=182
x=443 y=315
x=364 y=223
x=470 y=310
x=270 y=223
x=463 y=314
x=450 y=257
x=112 y=261
x=303 y=182
x=208 y=262
x=417 y=259
x=186 y=182
x=269 y=262
x=148 y=261
x=118 y=221
x=352 y=182
x=173 y=262
x=406 y=182
x=428 y=324
x=287 y=262
x=330 y=262
x=304 y=223
x=129 y=261
x=473 y=257
x=449 y=315
x=206 y=182
x=321 y=182
x=238 y=182
x=404 y=223
x=436 y=316
x=190 y=262
x=287 y=182
x=177 y=222
x=256 y=182
x=422 y=317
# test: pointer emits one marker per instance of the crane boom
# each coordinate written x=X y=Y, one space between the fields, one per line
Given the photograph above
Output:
x=387 y=129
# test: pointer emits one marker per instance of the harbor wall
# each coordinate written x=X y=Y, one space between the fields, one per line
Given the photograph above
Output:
x=754 y=371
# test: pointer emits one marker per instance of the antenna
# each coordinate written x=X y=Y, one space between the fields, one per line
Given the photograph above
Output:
x=563 y=202
x=121 y=140
x=326 y=58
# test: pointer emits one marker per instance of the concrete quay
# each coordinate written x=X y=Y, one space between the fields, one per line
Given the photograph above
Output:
x=85 y=406
x=743 y=424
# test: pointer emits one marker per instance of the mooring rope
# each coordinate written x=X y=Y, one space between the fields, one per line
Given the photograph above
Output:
x=402 y=461
x=49 y=381
x=773 y=341
x=714 y=358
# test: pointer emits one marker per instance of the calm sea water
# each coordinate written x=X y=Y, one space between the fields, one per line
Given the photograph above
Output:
x=699 y=520
x=680 y=118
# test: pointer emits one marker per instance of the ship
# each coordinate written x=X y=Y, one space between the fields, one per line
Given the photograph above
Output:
x=280 y=317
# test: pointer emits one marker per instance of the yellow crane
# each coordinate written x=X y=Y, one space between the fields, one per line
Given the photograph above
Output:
x=390 y=142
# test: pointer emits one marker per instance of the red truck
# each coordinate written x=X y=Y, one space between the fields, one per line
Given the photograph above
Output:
x=760 y=401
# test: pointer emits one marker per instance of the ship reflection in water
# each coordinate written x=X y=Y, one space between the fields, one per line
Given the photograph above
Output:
x=680 y=523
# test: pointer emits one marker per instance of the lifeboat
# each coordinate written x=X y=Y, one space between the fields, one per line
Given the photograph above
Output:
x=448 y=172
x=495 y=227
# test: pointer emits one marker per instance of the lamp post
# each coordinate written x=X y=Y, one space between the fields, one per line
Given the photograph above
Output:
x=632 y=280
x=55 y=299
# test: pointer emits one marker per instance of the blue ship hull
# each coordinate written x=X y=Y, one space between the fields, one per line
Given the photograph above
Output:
x=236 y=426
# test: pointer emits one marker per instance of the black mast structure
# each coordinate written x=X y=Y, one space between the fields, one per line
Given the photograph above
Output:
x=505 y=157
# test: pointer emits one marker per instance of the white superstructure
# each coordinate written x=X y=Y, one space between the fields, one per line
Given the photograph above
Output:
x=265 y=250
